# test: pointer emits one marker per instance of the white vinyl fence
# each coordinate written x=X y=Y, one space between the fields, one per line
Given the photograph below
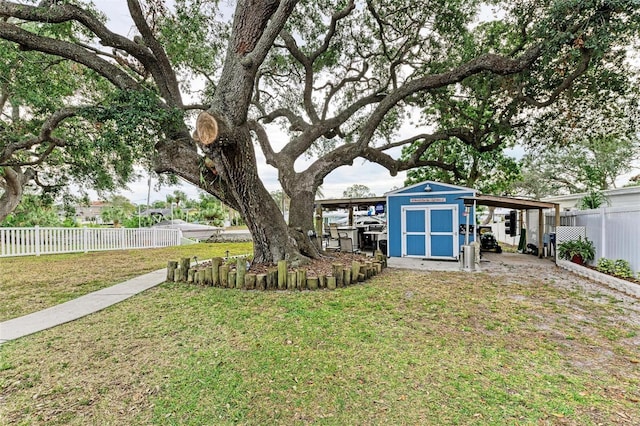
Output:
x=615 y=231
x=36 y=241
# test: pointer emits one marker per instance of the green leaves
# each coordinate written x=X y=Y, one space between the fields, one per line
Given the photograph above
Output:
x=583 y=164
x=194 y=37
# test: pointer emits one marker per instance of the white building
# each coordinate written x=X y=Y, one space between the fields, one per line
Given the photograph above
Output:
x=619 y=197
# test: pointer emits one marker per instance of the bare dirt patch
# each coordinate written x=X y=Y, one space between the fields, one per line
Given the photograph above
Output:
x=522 y=269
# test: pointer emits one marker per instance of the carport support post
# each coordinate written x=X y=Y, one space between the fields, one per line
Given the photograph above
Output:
x=319 y=222
x=540 y=231
x=467 y=211
x=555 y=230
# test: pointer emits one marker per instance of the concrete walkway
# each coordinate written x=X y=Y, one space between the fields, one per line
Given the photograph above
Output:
x=78 y=308
x=93 y=302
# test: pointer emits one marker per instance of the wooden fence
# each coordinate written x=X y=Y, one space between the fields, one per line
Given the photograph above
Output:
x=36 y=241
x=233 y=274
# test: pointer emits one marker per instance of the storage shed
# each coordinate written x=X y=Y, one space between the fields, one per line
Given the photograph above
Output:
x=428 y=220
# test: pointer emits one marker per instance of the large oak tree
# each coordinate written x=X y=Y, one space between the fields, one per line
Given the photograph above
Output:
x=340 y=78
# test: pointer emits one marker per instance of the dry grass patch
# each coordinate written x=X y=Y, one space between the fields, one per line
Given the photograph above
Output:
x=30 y=284
x=405 y=348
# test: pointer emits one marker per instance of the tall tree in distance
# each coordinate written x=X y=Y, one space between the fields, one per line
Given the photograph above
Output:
x=340 y=79
x=589 y=164
x=358 y=191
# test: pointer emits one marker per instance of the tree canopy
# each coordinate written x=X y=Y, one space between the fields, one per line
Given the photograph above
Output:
x=62 y=123
x=342 y=80
x=588 y=164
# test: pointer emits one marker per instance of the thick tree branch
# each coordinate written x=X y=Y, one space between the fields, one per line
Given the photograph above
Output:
x=59 y=13
x=150 y=54
x=256 y=24
x=30 y=41
x=394 y=166
x=13 y=181
x=300 y=144
x=490 y=62
x=341 y=14
x=162 y=70
x=268 y=36
x=181 y=158
x=40 y=157
x=50 y=124
x=583 y=65
x=335 y=89
x=493 y=63
x=309 y=75
x=296 y=122
x=263 y=140
x=308 y=61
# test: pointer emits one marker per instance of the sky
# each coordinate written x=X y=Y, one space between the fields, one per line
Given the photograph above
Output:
x=375 y=177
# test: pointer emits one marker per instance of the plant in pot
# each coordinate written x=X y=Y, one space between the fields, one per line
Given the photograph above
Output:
x=579 y=251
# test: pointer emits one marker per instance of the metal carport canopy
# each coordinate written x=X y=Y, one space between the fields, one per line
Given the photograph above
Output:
x=509 y=202
x=346 y=203
x=516 y=204
x=350 y=202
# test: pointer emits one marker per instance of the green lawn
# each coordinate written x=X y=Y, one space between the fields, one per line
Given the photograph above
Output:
x=29 y=284
x=404 y=348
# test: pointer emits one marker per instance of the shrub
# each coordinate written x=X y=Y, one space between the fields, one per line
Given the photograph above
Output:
x=623 y=269
x=606 y=266
x=583 y=248
x=619 y=267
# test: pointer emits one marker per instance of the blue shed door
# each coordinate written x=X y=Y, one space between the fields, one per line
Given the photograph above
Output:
x=430 y=232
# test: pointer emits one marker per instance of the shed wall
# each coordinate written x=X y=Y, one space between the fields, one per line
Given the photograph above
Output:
x=415 y=196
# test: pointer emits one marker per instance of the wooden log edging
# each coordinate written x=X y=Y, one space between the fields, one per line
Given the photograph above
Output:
x=234 y=274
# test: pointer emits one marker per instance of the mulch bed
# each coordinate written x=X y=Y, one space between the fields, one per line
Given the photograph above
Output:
x=317 y=267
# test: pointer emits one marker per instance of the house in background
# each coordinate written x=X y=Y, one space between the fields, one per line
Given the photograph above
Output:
x=619 y=197
x=91 y=213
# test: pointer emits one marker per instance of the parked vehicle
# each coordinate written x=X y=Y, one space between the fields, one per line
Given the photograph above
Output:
x=488 y=242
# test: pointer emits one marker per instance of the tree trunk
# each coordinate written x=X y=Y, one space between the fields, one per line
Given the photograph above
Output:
x=489 y=218
x=230 y=171
x=12 y=181
x=301 y=211
x=235 y=164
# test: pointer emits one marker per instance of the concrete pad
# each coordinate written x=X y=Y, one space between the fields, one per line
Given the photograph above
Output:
x=424 y=264
x=77 y=308
x=490 y=261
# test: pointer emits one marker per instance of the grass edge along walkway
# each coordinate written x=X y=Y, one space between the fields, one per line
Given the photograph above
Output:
x=77 y=308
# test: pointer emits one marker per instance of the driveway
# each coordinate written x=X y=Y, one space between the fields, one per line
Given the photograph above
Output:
x=525 y=269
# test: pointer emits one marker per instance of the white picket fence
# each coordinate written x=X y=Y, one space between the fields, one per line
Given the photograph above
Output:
x=36 y=241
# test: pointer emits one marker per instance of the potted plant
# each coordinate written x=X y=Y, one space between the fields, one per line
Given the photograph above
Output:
x=579 y=251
